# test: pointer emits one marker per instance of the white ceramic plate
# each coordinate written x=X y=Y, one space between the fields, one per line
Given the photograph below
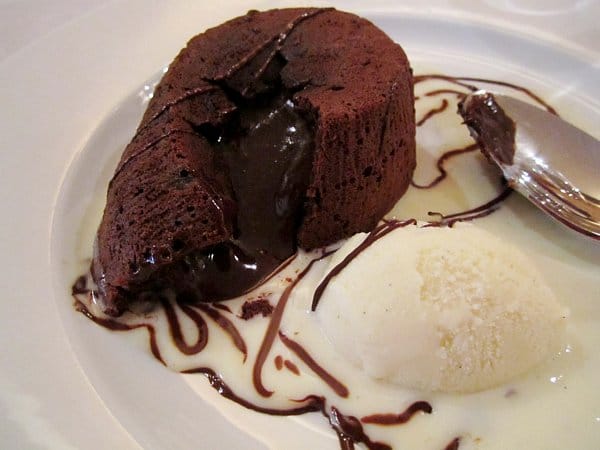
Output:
x=157 y=407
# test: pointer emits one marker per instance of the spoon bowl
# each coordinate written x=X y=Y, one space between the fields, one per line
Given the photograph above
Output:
x=552 y=163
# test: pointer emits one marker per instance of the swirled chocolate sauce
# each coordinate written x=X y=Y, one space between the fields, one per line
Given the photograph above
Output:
x=115 y=325
x=466 y=83
x=432 y=112
x=273 y=330
x=310 y=404
x=339 y=388
x=350 y=430
x=396 y=419
x=440 y=164
x=447 y=220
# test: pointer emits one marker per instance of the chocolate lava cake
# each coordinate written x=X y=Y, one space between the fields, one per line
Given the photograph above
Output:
x=278 y=129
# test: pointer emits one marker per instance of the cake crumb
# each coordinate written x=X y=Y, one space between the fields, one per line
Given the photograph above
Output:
x=251 y=308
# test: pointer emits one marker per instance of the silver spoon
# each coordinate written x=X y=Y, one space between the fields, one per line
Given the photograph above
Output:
x=552 y=163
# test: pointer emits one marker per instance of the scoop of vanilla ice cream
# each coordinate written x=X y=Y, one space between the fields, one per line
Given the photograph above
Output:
x=440 y=309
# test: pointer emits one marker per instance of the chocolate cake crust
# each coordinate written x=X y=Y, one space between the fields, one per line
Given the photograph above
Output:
x=173 y=195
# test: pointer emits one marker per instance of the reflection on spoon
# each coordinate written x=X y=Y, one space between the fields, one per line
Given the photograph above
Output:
x=552 y=163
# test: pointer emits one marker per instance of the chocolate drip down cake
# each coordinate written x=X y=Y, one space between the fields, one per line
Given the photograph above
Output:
x=276 y=130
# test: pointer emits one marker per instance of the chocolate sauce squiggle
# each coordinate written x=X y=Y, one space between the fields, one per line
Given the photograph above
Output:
x=278 y=362
x=337 y=386
x=226 y=325
x=176 y=332
x=454 y=80
x=462 y=81
x=476 y=213
x=348 y=428
x=432 y=112
x=273 y=329
x=440 y=165
x=379 y=231
x=351 y=431
x=312 y=403
x=516 y=87
x=114 y=325
x=397 y=419
x=435 y=92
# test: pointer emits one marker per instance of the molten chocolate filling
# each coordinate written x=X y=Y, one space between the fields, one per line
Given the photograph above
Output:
x=266 y=149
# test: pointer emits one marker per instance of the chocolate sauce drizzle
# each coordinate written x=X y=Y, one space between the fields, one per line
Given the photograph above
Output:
x=350 y=431
x=273 y=329
x=227 y=326
x=278 y=362
x=176 y=333
x=311 y=403
x=222 y=307
x=330 y=380
x=114 y=325
x=440 y=164
x=475 y=213
x=397 y=419
x=289 y=365
x=432 y=112
x=348 y=428
x=380 y=231
x=465 y=82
